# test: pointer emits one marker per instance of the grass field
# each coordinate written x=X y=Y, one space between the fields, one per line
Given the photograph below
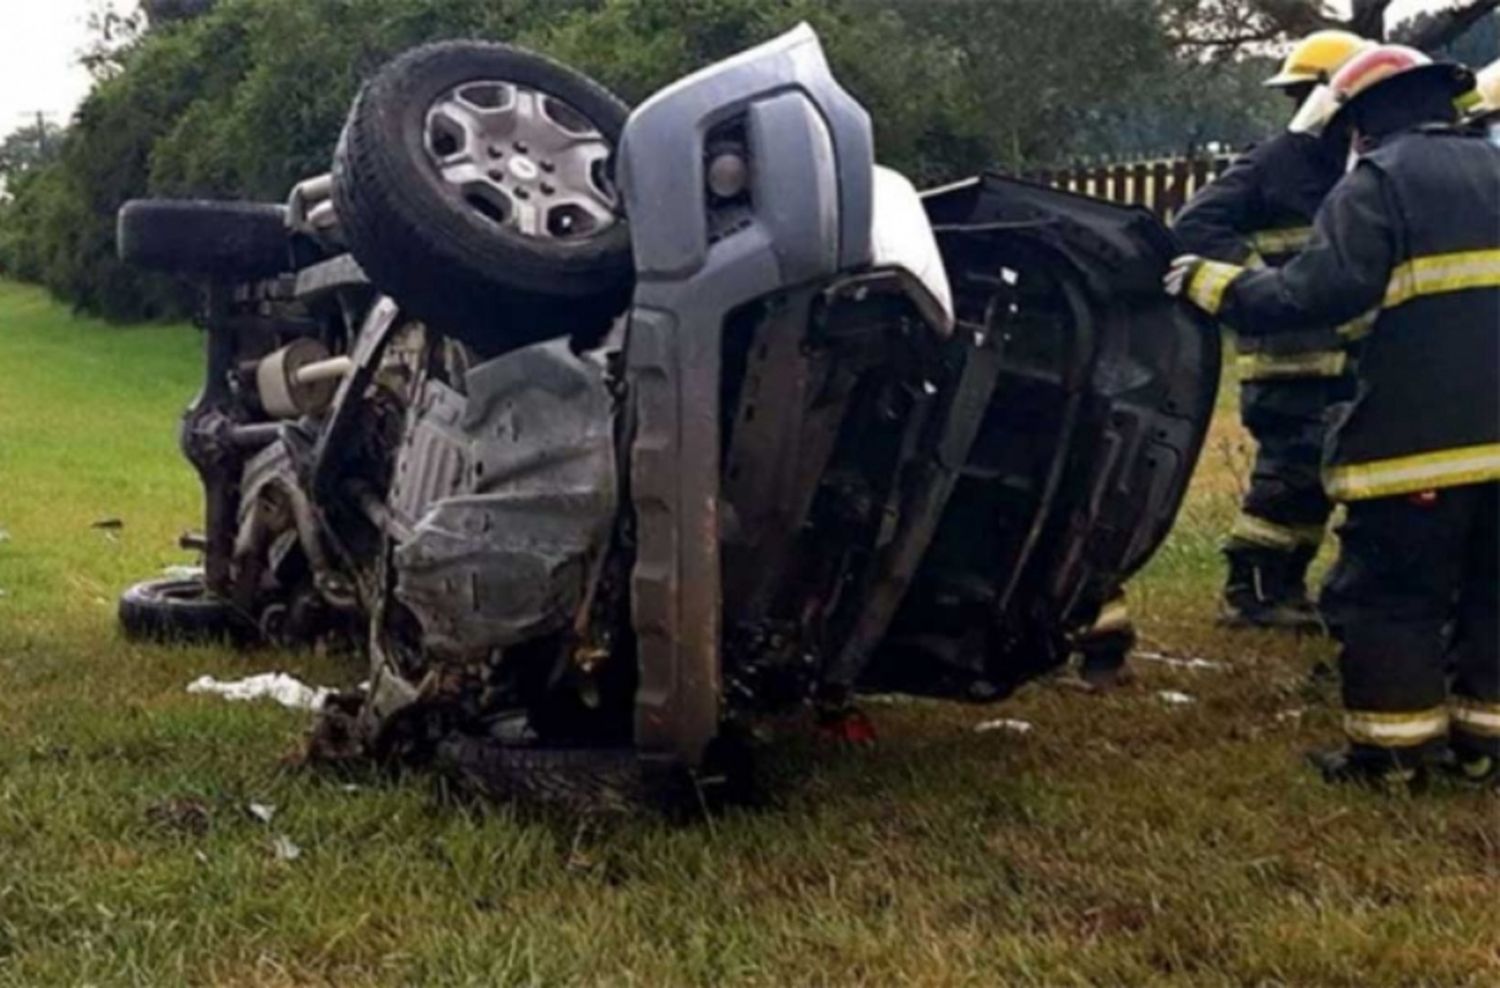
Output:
x=1124 y=840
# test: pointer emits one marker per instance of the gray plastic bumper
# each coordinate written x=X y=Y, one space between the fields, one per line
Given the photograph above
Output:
x=806 y=215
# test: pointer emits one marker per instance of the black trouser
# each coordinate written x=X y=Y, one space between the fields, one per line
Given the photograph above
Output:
x=1286 y=418
x=1107 y=645
x=1414 y=599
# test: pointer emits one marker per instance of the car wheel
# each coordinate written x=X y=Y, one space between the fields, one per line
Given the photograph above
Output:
x=241 y=241
x=473 y=183
x=180 y=611
x=579 y=780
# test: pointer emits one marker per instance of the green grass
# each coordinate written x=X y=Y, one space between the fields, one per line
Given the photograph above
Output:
x=1122 y=841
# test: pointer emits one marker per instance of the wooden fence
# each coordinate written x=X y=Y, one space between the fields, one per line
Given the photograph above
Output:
x=1161 y=186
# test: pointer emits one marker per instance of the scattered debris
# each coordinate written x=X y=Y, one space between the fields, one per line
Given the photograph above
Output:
x=1293 y=715
x=183 y=815
x=284 y=849
x=289 y=691
x=1174 y=697
x=887 y=699
x=4 y=536
x=261 y=811
x=1007 y=724
x=108 y=524
x=182 y=572
x=1178 y=661
x=847 y=726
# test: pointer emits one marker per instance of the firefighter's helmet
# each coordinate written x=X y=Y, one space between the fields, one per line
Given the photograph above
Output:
x=1378 y=65
x=1317 y=57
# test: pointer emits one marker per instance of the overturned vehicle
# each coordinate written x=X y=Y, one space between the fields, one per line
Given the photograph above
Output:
x=601 y=432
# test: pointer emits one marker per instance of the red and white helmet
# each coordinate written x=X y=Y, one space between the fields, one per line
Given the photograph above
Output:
x=1382 y=63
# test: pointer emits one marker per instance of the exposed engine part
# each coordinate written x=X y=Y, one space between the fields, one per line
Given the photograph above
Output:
x=299 y=379
x=310 y=209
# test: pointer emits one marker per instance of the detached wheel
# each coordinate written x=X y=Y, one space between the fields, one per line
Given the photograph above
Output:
x=179 y=611
x=242 y=241
x=474 y=184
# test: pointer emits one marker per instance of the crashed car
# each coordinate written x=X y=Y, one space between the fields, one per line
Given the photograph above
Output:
x=601 y=433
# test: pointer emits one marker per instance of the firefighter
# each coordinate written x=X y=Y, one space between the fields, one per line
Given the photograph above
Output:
x=1260 y=212
x=1407 y=250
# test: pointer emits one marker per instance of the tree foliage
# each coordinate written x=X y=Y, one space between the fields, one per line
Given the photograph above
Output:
x=34 y=145
x=1234 y=24
x=241 y=98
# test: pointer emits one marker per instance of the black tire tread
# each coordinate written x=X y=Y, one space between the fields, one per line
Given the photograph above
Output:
x=179 y=611
x=236 y=240
x=583 y=780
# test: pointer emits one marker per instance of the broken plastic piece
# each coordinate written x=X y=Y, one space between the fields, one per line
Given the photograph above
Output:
x=849 y=726
x=1006 y=724
x=286 y=690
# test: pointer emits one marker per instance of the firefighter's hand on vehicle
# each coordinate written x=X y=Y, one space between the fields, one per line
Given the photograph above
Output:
x=1180 y=274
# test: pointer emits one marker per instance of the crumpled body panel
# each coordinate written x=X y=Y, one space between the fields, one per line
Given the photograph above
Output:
x=511 y=493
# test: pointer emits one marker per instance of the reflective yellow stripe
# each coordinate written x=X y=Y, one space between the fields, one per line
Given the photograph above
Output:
x=1258 y=531
x=1289 y=240
x=1359 y=327
x=1315 y=363
x=1476 y=717
x=1439 y=274
x=1466 y=103
x=1404 y=730
x=1409 y=474
x=1210 y=282
x=1114 y=617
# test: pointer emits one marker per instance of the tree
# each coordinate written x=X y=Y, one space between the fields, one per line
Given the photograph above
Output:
x=166 y=11
x=1237 y=24
x=33 y=146
x=241 y=98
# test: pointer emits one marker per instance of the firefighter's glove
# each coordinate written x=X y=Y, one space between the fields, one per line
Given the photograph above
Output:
x=1200 y=281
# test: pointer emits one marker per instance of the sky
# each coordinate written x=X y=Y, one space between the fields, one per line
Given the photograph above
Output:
x=40 y=41
x=39 y=45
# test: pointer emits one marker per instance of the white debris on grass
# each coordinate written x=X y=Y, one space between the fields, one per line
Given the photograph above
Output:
x=887 y=699
x=1174 y=698
x=4 y=536
x=285 y=849
x=1293 y=715
x=1178 y=661
x=1007 y=724
x=182 y=572
x=289 y=691
x=261 y=811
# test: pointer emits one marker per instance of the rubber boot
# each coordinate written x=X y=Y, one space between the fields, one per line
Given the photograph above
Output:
x=1373 y=770
x=1470 y=766
x=1105 y=648
x=1267 y=589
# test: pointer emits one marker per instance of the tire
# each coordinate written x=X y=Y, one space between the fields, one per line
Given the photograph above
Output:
x=242 y=241
x=462 y=271
x=580 y=780
x=175 y=611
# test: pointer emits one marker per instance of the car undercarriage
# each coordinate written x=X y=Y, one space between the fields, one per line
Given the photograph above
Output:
x=599 y=434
